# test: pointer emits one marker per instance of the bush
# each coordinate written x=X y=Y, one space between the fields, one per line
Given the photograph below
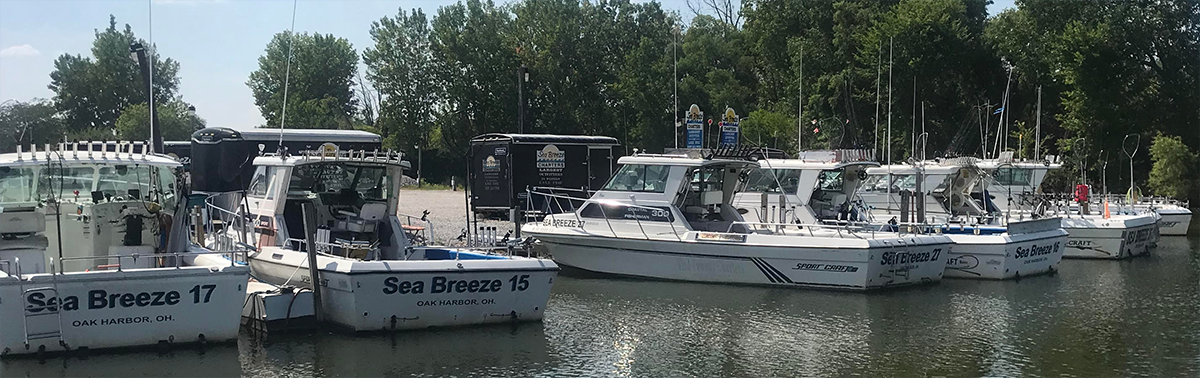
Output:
x=1174 y=163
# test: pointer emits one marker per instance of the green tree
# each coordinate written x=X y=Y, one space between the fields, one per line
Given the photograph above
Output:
x=319 y=92
x=401 y=68
x=1107 y=69
x=770 y=129
x=476 y=63
x=28 y=123
x=1174 y=167
x=92 y=91
x=174 y=121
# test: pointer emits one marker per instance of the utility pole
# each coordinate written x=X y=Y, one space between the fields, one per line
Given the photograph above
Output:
x=878 y=75
x=675 y=77
x=800 y=107
x=1037 y=141
x=522 y=78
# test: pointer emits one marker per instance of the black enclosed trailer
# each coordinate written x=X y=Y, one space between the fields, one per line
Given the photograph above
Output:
x=503 y=166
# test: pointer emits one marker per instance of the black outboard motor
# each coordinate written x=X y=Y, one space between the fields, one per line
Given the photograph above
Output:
x=222 y=161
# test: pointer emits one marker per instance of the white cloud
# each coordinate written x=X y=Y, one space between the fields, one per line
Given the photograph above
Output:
x=20 y=50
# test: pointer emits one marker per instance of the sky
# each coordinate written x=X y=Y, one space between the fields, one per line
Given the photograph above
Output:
x=216 y=42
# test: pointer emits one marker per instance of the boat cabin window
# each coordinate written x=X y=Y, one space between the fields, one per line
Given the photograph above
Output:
x=639 y=178
x=351 y=182
x=769 y=181
x=261 y=183
x=118 y=181
x=1012 y=176
x=63 y=182
x=16 y=185
x=831 y=180
x=879 y=183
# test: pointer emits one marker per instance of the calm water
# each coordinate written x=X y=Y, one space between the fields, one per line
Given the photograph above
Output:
x=1095 y=318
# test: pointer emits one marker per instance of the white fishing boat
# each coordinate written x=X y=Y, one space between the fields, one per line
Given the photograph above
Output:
x=1176 y=216
x=342 y=205
x=841 y=185
x=91 y=254
x=1094 y=233
x=671 y=217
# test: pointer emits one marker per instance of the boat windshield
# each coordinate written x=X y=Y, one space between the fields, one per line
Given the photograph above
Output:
x=16 y=185
x=769 y=181
x=1012 y=176
x=639 y=178
x=76 y=183
x=831 y=180
x=370 y=182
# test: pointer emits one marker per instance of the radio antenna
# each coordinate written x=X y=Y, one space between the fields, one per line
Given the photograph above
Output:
x=287 y=74
x=150 y=59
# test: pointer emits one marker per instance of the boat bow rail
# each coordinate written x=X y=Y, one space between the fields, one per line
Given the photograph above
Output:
x=551 y=218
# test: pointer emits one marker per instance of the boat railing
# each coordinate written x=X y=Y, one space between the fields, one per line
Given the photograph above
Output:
x=553 y=217
x=852 y=228
x=7 y=267
x=229 y=230
x=176 y=259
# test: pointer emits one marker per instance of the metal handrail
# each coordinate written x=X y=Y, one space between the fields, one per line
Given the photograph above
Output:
x=232 y=258
x=232 y=220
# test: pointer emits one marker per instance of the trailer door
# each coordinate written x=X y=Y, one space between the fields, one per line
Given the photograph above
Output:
x=600 y=164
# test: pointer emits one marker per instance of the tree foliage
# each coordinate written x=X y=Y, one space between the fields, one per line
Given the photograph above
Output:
x=401 y=66
x=1174 y=167
x=29 y=123
x=319 y=85
x=91 y=92
x=174 y=121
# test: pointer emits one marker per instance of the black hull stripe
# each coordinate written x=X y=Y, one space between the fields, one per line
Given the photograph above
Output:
x=772 y=268
x=764 y=270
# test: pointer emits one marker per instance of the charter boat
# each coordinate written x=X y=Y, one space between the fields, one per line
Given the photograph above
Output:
x=841 y=186
x=1176 y=216
x=1094 y=233
x=671 y=217
x=92 y=254
x=342 y=206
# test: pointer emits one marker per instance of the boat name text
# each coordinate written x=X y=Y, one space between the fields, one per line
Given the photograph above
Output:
x=99 y=298
x=441 y=285
x=1036 y=250
x=905 y=257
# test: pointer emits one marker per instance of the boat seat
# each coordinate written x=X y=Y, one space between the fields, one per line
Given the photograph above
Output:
x=365 y=220
x=24 y=222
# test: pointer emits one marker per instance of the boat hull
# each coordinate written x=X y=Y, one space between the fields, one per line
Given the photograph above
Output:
x=812 y=267
x=1174 y=223
x=1120 y=237
x=130 y=308
x=1004 y=256
x=401 y=295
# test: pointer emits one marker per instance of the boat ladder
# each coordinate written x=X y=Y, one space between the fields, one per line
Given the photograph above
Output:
x=32 y=311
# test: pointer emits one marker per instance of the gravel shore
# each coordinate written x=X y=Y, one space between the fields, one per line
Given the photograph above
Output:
x=447 y=211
